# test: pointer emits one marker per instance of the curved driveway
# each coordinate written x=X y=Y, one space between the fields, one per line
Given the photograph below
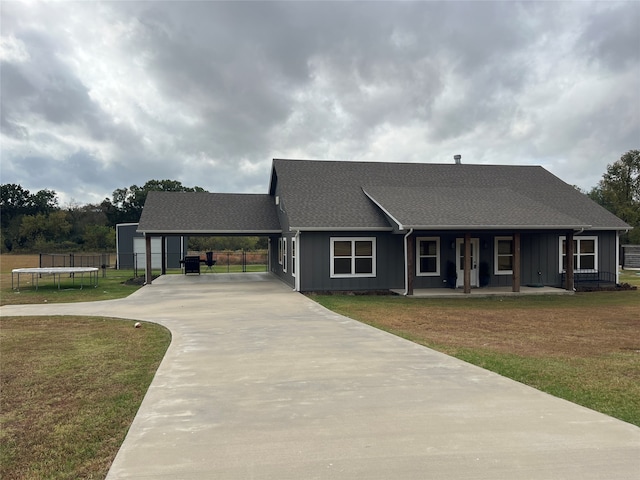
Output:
x=262 y=383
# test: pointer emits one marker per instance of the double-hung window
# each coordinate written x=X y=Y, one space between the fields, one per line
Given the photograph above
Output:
x=353 y=257
x=293 y=256
x=585 y=254
x=503 y=256
x=284 y=254
x=428 y=256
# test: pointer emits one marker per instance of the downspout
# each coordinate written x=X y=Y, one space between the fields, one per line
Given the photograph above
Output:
x=406 y=264
x=296 y=280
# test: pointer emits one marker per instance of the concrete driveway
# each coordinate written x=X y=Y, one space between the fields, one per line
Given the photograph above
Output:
x=262 y=383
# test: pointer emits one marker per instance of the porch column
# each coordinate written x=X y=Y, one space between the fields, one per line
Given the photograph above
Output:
x=515 y=284
x=163 y=254
x=569 y=255
x=467 y=263
x=147 y=274
x=411 y=262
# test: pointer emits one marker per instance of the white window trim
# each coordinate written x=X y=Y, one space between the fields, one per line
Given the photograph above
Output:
x=495 y=256
x=578 y=269
x=284 y=254
x=293 y=256
x=280 y=251
x=418 y=256
x=353 y=257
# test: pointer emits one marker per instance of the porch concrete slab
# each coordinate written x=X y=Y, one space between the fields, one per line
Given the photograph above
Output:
x=484 y=292
x=262 y=383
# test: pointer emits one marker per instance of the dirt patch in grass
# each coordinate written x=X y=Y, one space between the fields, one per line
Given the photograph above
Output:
x=543 y=332
x=582 y=325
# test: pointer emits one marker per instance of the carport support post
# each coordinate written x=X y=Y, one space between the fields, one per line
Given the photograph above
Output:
x=467 y=262
x=163 y=254
x=569 y=257
x=516 y=263
x=147 y=273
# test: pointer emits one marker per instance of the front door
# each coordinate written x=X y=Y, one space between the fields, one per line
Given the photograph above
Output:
x=475 y=249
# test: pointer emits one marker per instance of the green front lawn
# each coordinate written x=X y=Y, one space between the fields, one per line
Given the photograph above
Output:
x=71 y=387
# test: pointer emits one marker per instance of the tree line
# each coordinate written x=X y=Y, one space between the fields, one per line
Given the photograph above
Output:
x=35 y=222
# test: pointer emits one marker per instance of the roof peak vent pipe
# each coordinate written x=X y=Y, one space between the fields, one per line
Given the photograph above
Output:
x=458 y=159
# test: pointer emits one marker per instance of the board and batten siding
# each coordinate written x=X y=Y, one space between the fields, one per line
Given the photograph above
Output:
x=541 y=256
x=315 y=263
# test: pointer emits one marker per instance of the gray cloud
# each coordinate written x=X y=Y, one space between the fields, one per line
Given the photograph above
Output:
x=612 y=36
x=97 y=96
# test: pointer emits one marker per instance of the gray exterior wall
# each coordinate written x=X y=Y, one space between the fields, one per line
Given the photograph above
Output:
x=125 y=233
x=540 y=256
x=173 y=249
x=315 y=263
x=276 y=267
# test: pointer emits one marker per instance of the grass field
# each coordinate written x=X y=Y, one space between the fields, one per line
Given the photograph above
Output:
x=113 y=286
x=70 y=389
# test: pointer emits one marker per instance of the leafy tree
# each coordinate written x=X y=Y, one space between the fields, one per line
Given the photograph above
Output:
x=98 y=238
x=619 y=192
x=126 y=203
x=44 y=201
x=41 y=228
x=15 y=203
x=82 y=217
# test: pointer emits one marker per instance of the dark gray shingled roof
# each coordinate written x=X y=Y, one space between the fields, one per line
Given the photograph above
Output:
x=434 y=207
x=330 y=195
x=208 y=213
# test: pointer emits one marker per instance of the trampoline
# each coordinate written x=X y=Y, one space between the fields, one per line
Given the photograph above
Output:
x=36 y=273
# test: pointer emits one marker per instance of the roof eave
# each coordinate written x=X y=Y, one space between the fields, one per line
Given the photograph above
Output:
x=340 y=229
x=209 y=232
x=619 y=229
x=497 y=227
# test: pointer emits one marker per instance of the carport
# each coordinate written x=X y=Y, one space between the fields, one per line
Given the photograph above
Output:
x=168 y=214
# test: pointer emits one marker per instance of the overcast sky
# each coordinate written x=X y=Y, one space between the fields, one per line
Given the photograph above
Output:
x=99 y=96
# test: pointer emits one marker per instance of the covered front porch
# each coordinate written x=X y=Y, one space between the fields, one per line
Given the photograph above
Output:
x=488 y=262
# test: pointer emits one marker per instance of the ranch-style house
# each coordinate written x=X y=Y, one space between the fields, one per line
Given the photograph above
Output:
x=371 y=226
